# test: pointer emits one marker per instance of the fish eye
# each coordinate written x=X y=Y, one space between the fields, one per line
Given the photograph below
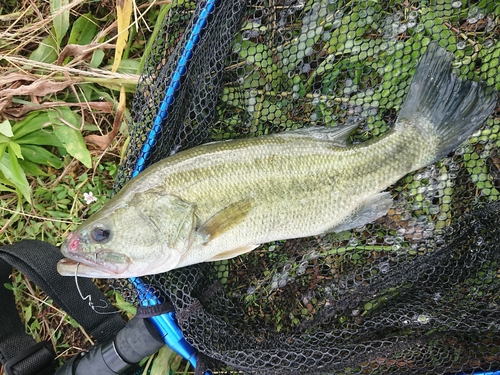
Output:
x=100 y=234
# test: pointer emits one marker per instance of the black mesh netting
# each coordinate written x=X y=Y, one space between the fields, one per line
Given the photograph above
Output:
x=417 y=291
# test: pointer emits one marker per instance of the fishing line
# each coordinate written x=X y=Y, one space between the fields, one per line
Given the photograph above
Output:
x=89 y=297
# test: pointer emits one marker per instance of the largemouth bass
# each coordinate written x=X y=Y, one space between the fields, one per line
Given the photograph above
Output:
x=222 y=199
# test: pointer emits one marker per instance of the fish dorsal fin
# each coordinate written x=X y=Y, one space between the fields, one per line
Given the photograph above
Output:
x=171 y=216
x=233 y=253
x=225 y=219
x=338 y=135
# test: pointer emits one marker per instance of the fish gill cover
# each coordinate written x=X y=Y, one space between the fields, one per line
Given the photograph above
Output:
x=418 y=290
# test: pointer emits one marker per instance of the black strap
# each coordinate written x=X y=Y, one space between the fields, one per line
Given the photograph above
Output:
x=37 y=260
x=149 y=311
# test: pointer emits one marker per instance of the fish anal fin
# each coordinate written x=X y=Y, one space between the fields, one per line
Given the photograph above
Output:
x=225 y=219
x=373 y=208
x=233 y=253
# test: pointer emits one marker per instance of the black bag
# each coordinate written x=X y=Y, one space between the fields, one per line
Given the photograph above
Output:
x=19 y=352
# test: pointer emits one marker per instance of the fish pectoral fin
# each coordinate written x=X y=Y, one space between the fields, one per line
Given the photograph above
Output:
x=373 y=208
x=233 y=253
x=338 y=135
x=225 y=219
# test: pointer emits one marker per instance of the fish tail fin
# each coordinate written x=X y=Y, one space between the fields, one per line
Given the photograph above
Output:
x=442 y=105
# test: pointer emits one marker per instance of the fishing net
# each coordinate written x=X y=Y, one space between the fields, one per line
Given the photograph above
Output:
x=418 y=290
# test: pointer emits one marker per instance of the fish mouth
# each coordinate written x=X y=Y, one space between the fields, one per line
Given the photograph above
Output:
x=101 y=263
x=71 y=267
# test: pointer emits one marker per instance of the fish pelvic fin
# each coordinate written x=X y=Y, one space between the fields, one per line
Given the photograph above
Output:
x=233 y=253
x=225 y=219
x=442 y=105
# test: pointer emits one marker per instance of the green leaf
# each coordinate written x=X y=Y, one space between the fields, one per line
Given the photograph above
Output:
x=33 y=122
x=28 y=313
x=40 y=155
x=19 y=177
x=32 y=169
x=61 y=18
x=41 y=138
x=3 y=147
x=4 y=139
x=303 y=45
x=13 y=172
x=74 y=144
x=97 y=58
x=69 y=135
x=6 y=129
x=127 y=66
x=15 y=149
x=4 y=185
x=261 y=56
x=165 y=362
x=46 y=51
x=124 y=305
x=8 y=286
x=83 y=31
